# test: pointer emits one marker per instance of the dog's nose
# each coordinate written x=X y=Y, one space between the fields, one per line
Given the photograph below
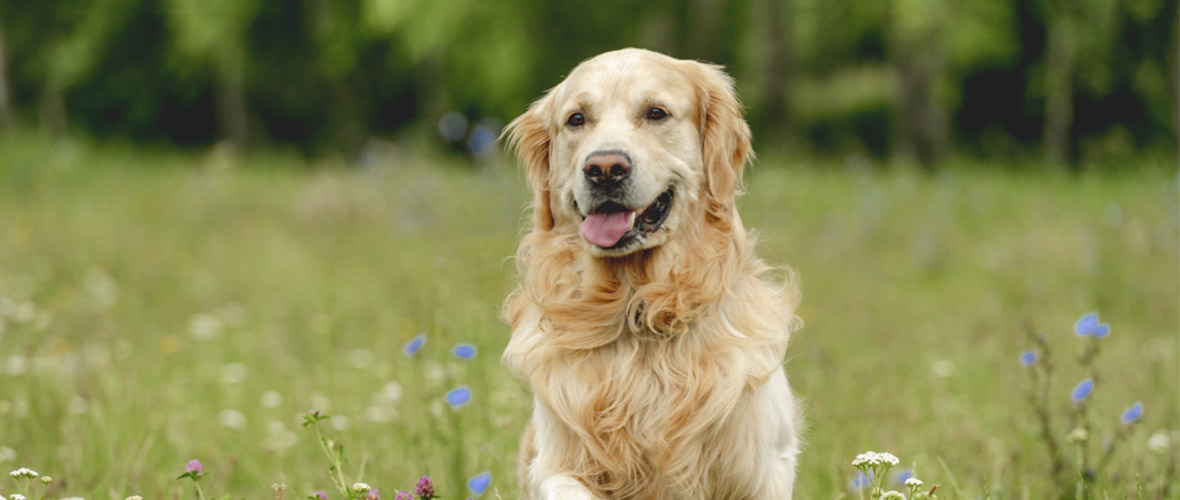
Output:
x=607 y=169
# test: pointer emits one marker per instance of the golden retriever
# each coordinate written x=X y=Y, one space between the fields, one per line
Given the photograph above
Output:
x=648 y=330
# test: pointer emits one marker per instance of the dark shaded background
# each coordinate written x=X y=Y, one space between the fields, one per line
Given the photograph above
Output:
x=1072 y=82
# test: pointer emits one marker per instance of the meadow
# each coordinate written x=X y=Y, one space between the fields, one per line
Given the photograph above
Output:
x=158 y=306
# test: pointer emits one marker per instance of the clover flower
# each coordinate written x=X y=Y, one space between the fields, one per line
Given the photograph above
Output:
x=321 y=495
x=1087 y=326
x=1132 y=414
x=425 y=488
x=1082 y=391
x=24 y=473
x=415 y=344
x=403 y=495
x=480 y=482
x=374 y=494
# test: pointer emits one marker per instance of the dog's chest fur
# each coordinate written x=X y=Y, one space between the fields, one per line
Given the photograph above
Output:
x=648 y=413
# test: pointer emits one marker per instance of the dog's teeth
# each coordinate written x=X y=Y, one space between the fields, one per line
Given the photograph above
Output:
x=631 y=221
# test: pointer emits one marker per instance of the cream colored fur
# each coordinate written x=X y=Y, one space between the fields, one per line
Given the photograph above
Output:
x=656 y=368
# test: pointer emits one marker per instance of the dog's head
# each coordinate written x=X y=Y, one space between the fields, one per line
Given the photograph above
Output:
x=633 y=148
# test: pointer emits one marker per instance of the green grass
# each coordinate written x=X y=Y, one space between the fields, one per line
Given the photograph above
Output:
x=311 y=277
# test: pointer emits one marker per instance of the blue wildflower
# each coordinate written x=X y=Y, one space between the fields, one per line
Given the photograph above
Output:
x=1087 y=326
x=464 y=351
x=1083 y=389
x=1027 y=358
x=861 y=482
x=480 y=482
x=905 y=474
x=415 y=344
x=1133 y=413
x=459 y=396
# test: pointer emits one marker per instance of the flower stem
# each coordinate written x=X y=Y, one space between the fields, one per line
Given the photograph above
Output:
x=200 y=494
x=339 y=479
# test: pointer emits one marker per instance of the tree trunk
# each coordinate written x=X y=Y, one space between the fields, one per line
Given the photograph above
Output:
x=776 y=113
x=1058 y=89
x=231 y=103
x=6 y=111
x=921 y=121
x=53 y=107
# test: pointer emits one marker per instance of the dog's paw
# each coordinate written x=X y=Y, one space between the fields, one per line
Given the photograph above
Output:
x=564 y=488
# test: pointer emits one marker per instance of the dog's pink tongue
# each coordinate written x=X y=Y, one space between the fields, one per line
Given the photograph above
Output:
x=605 y=229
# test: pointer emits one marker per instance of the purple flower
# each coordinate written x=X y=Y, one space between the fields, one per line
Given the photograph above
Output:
x=1083 y=389
x=480 y=482
x=458 y=396
x=193 y=467
x=1027 y=358
x=321 y=495
x=403 y=495
x=1087 y=326
x=464 y=351
x=1133 y=413
x=415 y=344
x=373 y=495
x=425 y=488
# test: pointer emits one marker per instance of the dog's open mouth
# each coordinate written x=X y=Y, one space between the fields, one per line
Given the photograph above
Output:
x=613 y=226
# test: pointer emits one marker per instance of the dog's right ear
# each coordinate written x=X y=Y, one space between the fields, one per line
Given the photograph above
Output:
x=529 y=139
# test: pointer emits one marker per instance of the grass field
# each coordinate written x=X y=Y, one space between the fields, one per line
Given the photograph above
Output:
x=157 y=307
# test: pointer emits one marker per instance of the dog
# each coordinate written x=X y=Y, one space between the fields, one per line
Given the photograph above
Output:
x=650 y=334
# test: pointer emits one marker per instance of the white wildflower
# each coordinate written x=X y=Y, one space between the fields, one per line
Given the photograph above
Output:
x=887 y=458
x=24 y=473
x=271 y=399
x=913 y=482
x=134 y=497
x=1158 y=442
x=8 y=454
x=233 y=373
x=73 y=498
x=866 y=458
x=943 y=368
x=16 y=496
x=233 y=419
x=46 y=479
x=205 y=326
x=892 y=495
x=1078 y=435
x=360 y=488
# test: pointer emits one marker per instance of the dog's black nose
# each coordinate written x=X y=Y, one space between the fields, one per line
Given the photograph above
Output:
x=607 y=169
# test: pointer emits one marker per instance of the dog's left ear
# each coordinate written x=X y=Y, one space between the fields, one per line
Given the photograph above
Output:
x=725 y=138
x=528 y=137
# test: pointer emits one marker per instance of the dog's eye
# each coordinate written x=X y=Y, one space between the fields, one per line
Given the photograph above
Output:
x=576 y=120
x=656 y=114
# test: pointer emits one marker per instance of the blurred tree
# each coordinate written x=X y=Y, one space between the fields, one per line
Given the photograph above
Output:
x=1078 y=40
x=213 y=33
x=917 y=30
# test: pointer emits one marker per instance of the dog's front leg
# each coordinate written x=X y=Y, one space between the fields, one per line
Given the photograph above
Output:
x=563 y=487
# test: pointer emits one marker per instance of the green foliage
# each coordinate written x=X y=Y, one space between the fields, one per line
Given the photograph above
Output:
x=330 y=74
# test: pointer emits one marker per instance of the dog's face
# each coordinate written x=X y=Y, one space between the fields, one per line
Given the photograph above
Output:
x=630 y=147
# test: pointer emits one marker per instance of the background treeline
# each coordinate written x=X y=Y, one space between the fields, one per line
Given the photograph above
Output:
x=1074 y=80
